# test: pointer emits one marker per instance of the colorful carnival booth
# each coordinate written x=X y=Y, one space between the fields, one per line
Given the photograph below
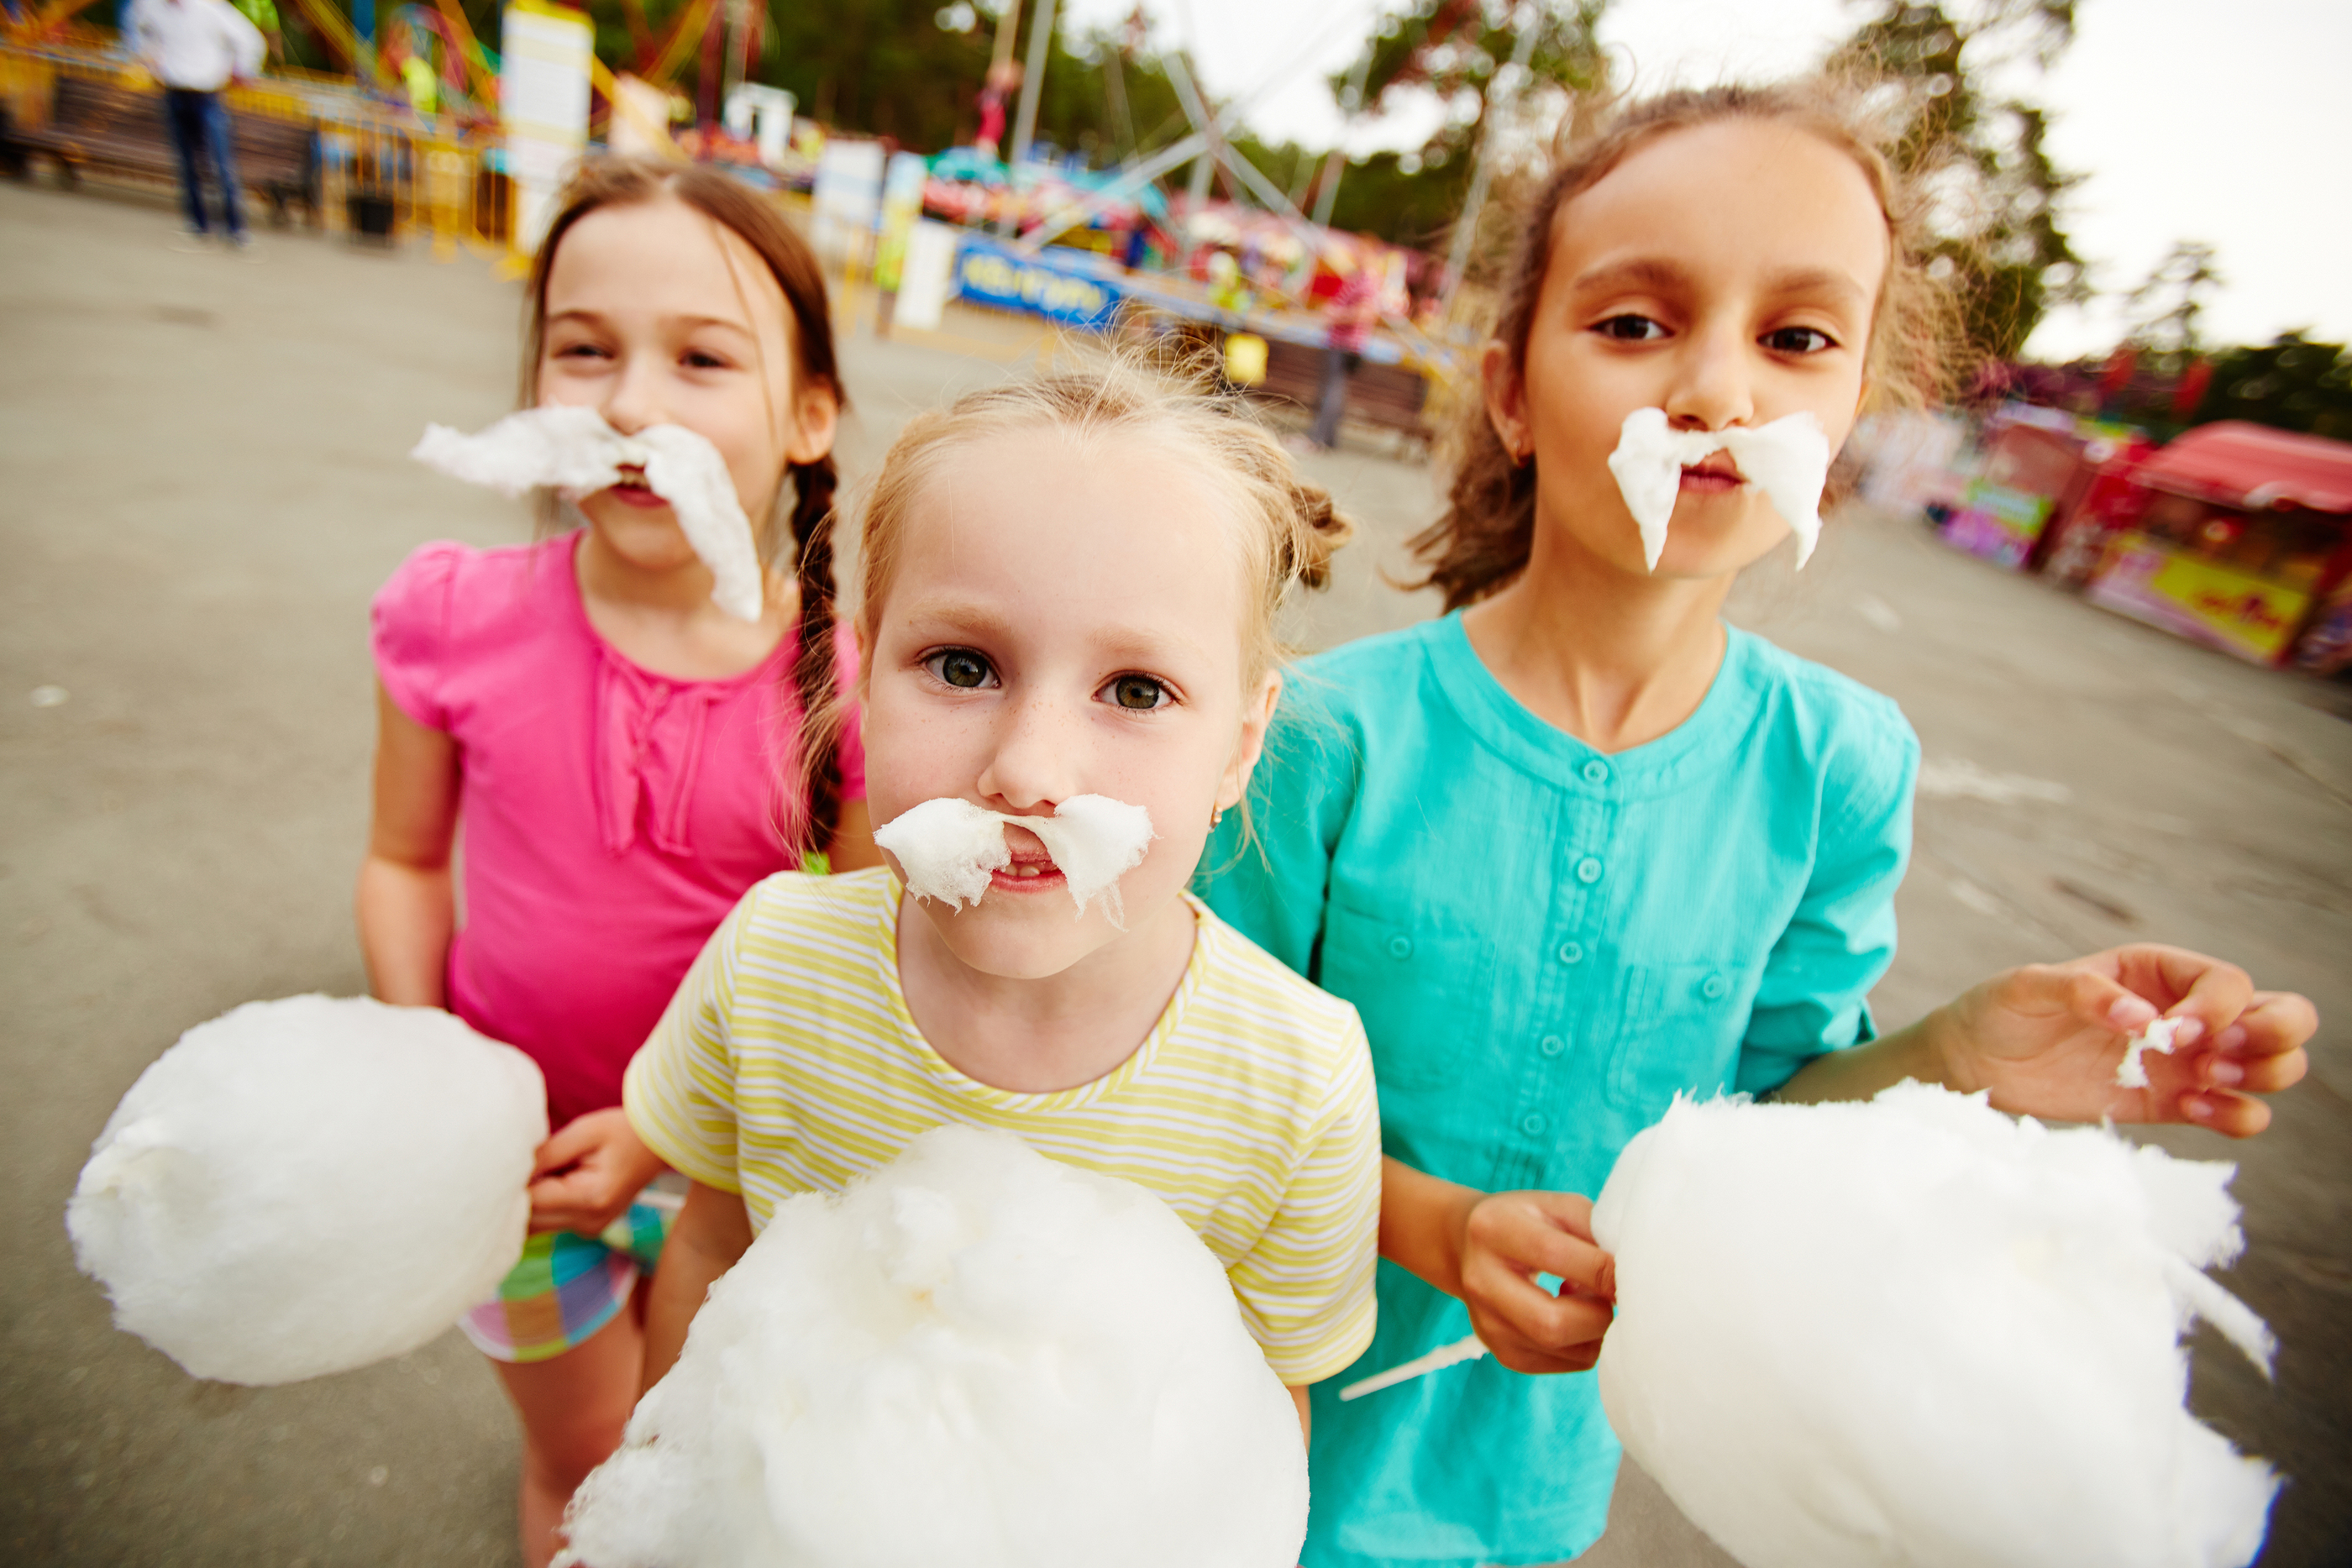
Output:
x=2236 y=536
x=2038 y=467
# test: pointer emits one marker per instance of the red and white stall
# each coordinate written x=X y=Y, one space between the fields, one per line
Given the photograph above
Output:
x=2238 y=536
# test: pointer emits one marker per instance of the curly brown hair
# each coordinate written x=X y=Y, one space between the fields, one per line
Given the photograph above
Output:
x=615 y=181
x=1482 y=541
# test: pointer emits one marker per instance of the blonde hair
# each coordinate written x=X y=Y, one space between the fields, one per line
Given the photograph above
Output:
x=1483 y=541
x=1287 y=527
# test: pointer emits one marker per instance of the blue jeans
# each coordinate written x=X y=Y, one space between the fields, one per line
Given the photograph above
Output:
x=1333 y=402
x=200 y=133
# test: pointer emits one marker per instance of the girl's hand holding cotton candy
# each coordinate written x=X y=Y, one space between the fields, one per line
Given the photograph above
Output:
x=309 y=1186
x=572 y=450
x=2048 y=1039
x=586 y=1176
x=1914 y=1331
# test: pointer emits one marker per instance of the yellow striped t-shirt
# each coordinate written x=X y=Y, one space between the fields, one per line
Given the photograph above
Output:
x=788 y=1063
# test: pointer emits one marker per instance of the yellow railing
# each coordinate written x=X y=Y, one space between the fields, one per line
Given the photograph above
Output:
x=376 y=162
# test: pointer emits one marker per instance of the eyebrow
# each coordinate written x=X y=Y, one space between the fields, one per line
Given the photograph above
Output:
x=1642 y=269
x=935 y=617
x=689 y=322
x=1658 y=273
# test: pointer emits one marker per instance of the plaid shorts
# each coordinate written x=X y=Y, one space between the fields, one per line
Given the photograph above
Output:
x=566 y=1286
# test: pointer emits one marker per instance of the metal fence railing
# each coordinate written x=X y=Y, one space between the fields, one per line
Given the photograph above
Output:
x=382 y=172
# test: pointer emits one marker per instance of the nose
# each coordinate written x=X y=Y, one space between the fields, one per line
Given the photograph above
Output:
x=1712 y=386
x=632 y=398
x=1035 y=755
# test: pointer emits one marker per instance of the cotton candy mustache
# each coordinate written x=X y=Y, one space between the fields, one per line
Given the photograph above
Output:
x=573 y=452
x=947 y=848
x=1787 y=459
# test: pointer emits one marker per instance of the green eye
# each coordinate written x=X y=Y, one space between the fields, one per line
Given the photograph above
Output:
x=962 y=667
x=1139 y=692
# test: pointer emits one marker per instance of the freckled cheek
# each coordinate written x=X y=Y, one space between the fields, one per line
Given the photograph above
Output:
x=917 y=751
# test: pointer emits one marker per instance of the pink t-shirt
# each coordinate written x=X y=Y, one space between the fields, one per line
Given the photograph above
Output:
x=612 y=816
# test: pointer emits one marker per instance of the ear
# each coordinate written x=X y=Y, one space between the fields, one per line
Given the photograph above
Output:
x=1506 y=394
x=1257 y=714
x=816 y=419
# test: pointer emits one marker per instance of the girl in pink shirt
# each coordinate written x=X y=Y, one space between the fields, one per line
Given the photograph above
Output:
x=627 y=760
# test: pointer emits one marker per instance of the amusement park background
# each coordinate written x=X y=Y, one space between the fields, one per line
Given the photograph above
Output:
x=2110 y=581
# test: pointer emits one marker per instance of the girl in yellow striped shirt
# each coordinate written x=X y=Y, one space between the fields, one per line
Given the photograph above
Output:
x=1070 y=588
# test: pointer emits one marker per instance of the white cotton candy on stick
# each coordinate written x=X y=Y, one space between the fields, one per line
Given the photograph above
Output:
x=572 y=450
x=307 y=1186
x=1915 y=1331
x=974 y=1357
x=947 y=847
x=1787 y=459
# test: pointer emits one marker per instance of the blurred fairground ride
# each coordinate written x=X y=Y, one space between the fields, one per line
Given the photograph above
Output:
x=427 y=132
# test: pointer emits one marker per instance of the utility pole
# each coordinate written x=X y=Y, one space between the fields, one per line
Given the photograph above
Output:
x=991 y=86
x=1196 y=110
x=1032 y=80
x=1466 y=228
x=1007 y=25
x=1351 y=104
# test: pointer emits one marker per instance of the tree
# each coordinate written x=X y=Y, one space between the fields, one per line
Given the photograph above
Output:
x=2167 y=306
x=2292 y=383
x=1456 y=51
x=1997 y=226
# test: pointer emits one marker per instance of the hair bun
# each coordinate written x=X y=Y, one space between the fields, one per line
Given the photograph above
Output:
x=1325 y=528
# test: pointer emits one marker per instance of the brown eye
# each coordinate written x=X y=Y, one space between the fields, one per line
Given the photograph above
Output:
x=1138 y=694
x=1799 y=341
x=1631 y=328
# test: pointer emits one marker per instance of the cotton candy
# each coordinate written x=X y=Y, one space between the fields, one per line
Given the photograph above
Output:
x=307 y=1186
x=1787 y=459
x=572 y=450
x=1917 y=1332
x=975 y=1356
x=947 y=847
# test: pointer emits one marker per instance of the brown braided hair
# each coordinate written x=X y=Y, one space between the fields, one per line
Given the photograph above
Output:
x=609 y=182
x=1482 y=542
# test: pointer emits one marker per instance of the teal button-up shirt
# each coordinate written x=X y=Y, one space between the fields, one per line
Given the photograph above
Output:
x=1545 y=944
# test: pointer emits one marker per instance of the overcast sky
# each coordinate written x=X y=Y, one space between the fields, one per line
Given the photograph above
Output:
x=2190 y=120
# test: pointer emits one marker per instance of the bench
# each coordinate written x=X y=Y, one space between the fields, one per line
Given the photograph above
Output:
x=97 y=125
x=1388 y=397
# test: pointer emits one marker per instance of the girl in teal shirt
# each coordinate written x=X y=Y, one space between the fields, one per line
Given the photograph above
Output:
x=1580 y=845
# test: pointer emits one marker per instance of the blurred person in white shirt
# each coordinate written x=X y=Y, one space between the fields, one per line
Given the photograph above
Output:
x=196 y=48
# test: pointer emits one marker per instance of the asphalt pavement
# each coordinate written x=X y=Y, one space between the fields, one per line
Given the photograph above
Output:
x=206 y=482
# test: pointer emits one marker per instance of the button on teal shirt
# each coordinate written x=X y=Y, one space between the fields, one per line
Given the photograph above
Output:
x=1546 y=943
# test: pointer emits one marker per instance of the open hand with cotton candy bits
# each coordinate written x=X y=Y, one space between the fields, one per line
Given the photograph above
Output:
x=309 y=1186
x=2138 y=1033
x=572 y=451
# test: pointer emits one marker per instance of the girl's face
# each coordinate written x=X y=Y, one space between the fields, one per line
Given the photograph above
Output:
x=1063 y=621
x=1727 y=274
x=659 y=315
